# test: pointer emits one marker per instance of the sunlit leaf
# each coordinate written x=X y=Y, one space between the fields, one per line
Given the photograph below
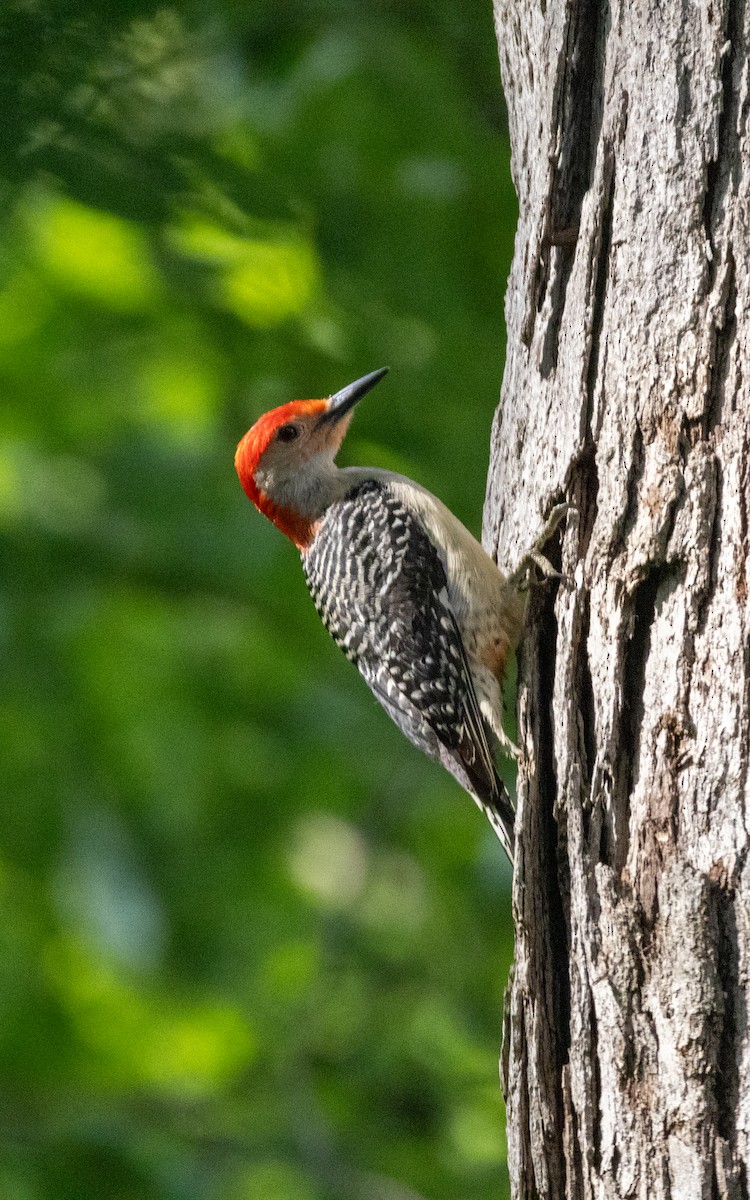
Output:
x=93 y=253
x=262 y=280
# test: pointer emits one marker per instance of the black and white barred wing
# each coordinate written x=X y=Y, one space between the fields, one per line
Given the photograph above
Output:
x=380 y=588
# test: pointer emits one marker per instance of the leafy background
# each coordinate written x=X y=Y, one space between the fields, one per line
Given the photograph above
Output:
x=253 y=945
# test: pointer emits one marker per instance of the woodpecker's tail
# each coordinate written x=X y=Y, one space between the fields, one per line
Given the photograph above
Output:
x=501 y=816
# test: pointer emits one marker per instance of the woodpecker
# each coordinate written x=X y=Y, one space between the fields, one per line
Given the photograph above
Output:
x=412 y=599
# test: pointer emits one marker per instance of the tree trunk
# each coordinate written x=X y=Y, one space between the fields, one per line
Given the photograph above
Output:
x=627 y=1049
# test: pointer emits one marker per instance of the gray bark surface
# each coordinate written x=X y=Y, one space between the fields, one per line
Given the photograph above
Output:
x=627 y=1047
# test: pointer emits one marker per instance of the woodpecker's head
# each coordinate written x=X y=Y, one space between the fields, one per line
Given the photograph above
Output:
x=286 y=461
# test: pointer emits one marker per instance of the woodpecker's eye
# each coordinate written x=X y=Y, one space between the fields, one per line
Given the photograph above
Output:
x=288 y=433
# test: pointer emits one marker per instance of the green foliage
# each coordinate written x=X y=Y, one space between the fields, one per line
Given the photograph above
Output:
x=253 y=944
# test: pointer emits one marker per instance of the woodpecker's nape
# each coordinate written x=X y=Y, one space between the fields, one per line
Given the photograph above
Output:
x=404 y=589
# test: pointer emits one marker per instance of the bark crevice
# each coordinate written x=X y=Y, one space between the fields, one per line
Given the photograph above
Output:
x=705 y=593
x=644 y=608
x=727 y=966
x=721 y=168
x=579 y=125
x=557 y=897
x=726 y=330
x=587 y=708
x=601 y=278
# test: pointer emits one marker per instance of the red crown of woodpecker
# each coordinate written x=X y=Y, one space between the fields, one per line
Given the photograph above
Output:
x=251 y=450
x=257 y=439
x=334 y=413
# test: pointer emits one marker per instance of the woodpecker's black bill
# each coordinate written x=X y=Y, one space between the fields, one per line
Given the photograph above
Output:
x=341 y=402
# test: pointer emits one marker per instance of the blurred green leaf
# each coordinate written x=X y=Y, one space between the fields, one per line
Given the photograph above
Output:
x=254 y=946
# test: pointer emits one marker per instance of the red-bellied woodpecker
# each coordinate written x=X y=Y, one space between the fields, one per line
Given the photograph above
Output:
x=403 y=588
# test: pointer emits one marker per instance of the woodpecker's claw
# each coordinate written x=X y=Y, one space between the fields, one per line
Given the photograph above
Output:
x=521 y=577
x=509 y=747
x=551 y=524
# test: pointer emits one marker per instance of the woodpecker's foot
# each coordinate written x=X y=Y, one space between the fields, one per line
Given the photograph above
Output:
x=509 y=747
x=522 y=577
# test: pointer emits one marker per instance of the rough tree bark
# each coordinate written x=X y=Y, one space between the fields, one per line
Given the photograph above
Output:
x=627 y=1050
